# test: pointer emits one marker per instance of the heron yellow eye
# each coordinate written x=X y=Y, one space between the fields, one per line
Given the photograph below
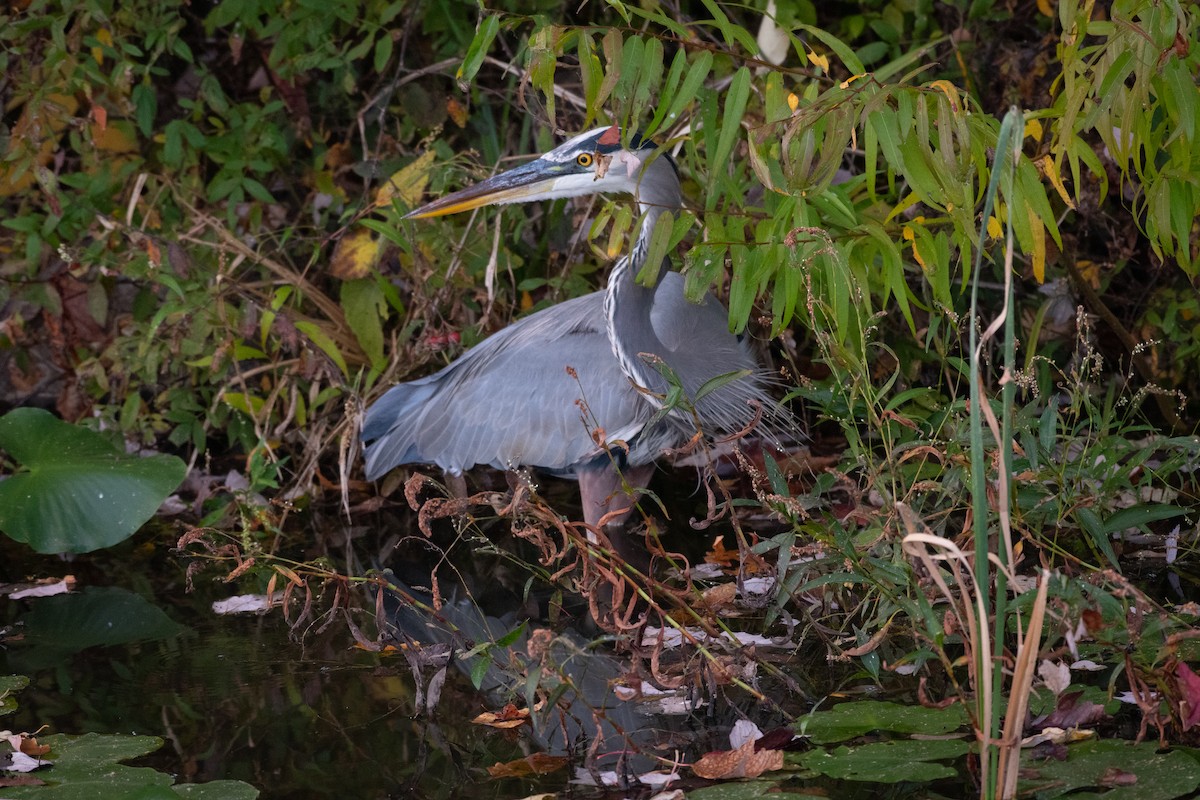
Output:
x=584 y=159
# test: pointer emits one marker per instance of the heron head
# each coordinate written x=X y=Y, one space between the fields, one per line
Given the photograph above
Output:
x=591 y=163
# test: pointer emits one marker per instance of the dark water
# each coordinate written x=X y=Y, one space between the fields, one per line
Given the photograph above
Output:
x=300 y=713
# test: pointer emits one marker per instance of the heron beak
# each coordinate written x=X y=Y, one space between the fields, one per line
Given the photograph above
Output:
x=522 y=183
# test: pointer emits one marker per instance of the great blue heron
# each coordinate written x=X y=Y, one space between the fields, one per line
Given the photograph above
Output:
x=569 y=390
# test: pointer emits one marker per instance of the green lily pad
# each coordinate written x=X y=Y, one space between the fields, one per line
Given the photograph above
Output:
x=888 y=762
x=10 y=684
x=77 y=493
x=58 y=627
x=749 y=790
x=86 y=767
x=848 y=720
x=1118 y=769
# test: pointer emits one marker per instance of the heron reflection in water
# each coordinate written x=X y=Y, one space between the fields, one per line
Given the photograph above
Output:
x=513 y=400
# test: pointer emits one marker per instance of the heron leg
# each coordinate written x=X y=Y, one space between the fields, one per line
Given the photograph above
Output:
x=603 y=492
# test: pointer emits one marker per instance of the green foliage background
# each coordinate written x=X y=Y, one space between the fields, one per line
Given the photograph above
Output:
x=201 y=237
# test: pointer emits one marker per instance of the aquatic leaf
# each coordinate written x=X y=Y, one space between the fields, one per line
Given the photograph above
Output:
x=88 y=766
x=76 y=492
x=9 y=685
x=1160 y=776
x=848 y=720
x=60 y=626
x=752 y=790
x=889 y=762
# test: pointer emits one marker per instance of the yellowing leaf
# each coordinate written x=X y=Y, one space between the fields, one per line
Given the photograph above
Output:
x=994 y=229
x=1033 y=129
x=951 y=91
x=104 y=36
x=355 y=254
x=1046 y=8
x=1050 y=170
x=793 y=101
x=118 y=137
x=910 y=235
x=1090 y=272
x=1039 y=245
x=818 y=60
x=407 y=184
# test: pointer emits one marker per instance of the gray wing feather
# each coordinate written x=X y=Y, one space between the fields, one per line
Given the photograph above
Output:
x=509 y=401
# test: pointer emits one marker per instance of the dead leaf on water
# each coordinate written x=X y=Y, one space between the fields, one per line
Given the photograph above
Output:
x=535 y=764
x=508 y=717
x=741 y=763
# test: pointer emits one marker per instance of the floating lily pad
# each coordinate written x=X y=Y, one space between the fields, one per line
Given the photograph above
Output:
x=8 y=685
x=57 y=627
x=76 y=493
x=751 y=790
x=1119 y=770
x=848 y=720
x=888 y=762
x=87 y=767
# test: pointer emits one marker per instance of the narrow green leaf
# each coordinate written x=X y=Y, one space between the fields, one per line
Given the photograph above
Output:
x=731 y=124
x=323 y=341
x=714 y=383
x=485 y=34
x=1095 y=530
x=1139 y=516
x=696 y=75
x=656 y=253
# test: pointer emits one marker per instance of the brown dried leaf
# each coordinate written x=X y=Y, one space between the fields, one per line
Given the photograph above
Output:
x=536 y=764
x=508 y=717
x=741 y=763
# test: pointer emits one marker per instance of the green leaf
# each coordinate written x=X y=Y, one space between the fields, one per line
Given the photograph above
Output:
x=1160 y=776
x=889 y=762
x=365 y=308
x=712 y=384
x=692 y=82
x=660 y=239
x=324 y=342
x=1095 y=529
x=88 y=767
x=849 y=720
x=77 y=493
x=485 y=34
x=1138 y=516
x=383 y=51
x=731 y=123
x=60 y=626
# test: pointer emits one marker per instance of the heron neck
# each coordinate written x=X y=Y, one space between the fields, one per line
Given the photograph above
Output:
x=628 y=306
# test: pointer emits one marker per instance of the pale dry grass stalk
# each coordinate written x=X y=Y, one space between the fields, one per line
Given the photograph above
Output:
x=1028 y=645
